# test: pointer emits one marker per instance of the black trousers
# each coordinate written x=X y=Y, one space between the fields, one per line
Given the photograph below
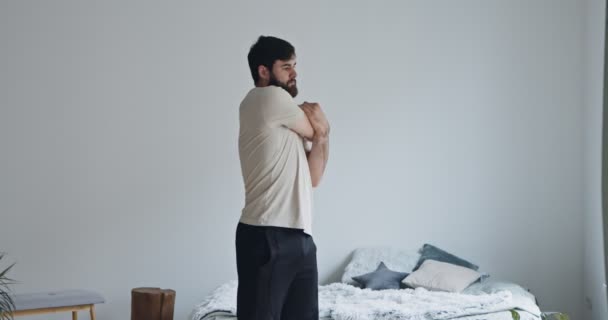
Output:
x=277 y=274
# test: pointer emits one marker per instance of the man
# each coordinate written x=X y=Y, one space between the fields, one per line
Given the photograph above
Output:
x=275 y=252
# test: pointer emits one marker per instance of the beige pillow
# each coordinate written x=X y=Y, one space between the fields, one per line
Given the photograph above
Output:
x=441 y=276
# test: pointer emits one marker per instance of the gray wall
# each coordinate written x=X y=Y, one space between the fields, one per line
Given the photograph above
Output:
x=454 y=123
x=594 y=276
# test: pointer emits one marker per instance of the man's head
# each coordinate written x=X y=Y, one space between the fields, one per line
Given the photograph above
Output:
x=272 y=61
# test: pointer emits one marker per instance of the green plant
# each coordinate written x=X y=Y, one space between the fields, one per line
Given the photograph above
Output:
x=6 y=302
x=554 y=316
x=514 y=315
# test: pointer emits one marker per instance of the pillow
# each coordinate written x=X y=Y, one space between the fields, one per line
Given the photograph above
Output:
x=366 y=260
x=441 y=276
x=429 y=251
x=381 y=279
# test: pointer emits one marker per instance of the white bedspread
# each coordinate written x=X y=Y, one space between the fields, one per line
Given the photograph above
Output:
x=341 y=301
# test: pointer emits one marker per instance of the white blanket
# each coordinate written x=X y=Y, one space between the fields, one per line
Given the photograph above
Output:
x=341 y=301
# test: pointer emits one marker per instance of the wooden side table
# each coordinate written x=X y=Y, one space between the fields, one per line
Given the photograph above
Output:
x=152 y=304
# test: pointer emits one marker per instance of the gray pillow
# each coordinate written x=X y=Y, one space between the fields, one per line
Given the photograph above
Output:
x=431 y=252
x=367 y=259
x=381 y=279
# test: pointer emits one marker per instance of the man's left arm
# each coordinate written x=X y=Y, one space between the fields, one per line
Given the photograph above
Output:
x=319 y=152
x=317 y=158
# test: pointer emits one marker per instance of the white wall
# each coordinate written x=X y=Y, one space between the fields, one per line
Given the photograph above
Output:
x=455 y=123
x=594 y=275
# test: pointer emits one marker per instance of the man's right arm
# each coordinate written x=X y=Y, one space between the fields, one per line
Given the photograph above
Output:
x=281 y=109
x=303 y=127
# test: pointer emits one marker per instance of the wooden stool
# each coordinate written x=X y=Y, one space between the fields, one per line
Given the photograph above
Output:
x=152 y=304
x=57 y=301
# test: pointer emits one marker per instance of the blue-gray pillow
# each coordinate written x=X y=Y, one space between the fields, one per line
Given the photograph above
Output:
x=431 y=252
x=381 y=279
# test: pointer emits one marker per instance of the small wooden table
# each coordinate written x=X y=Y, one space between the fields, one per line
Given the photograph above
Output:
x=152 y=303
x=57 y=301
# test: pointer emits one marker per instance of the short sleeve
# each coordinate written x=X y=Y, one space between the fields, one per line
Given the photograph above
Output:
x=280 y=109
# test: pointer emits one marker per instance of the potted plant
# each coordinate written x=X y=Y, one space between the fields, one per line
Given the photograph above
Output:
x=6 y=301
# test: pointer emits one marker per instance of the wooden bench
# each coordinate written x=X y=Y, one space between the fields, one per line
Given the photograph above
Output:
x=57 y=301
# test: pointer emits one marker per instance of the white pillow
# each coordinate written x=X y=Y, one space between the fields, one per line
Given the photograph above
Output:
x=366 y=260
x=441 y=276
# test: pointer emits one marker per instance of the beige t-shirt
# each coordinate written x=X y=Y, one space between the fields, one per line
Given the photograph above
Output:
x=278 y=187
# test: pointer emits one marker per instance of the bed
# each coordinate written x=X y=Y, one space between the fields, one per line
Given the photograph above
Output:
x=485 y=299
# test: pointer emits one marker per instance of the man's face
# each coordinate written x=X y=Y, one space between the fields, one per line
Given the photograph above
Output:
x=284 y=75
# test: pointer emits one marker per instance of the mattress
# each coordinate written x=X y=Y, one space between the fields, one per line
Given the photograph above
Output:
x=505 y=315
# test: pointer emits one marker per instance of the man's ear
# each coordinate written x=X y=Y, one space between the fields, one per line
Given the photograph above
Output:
x=263 y=72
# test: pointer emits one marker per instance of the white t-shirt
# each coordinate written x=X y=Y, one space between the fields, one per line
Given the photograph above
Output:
x=278 y=187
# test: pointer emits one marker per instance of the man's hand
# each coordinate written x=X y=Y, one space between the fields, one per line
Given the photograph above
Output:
x=317 y=119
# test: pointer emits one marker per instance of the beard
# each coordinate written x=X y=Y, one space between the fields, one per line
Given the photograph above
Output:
x=290 y=87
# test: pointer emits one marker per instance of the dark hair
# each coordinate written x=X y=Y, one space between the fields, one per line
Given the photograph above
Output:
x=266 y=51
